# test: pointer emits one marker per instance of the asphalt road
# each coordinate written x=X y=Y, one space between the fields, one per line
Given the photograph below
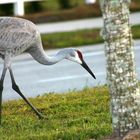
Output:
x=80 y=24
x=35 y=79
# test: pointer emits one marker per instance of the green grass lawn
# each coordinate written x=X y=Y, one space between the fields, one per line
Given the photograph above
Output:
x=78 y=38
x=78 y=115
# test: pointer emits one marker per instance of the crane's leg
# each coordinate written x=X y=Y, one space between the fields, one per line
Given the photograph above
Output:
x=16 y=88
x=1 y=89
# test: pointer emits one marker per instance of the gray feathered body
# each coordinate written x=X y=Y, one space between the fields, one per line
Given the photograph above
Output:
x=17 y=36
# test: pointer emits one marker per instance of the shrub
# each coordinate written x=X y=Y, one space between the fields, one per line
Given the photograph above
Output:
x=64 y=4
x=6 y=9
x=34 y=7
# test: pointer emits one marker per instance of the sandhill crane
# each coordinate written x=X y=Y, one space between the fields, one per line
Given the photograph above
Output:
x=19 y=35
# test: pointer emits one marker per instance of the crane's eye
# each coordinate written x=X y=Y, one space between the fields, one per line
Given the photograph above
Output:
x=80 y=55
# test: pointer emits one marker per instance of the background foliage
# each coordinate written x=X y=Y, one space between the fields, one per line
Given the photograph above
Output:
x=60 y=10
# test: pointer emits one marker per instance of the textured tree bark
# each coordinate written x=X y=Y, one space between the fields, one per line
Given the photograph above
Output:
x=121 y=73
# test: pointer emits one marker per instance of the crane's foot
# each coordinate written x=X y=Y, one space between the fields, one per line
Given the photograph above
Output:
x=42 y=117
x=16 y=88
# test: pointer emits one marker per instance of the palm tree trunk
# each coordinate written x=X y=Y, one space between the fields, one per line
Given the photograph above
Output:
x=121 y=73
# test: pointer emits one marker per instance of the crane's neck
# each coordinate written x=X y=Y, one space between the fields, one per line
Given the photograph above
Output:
x=43 y=58
x=50 y=60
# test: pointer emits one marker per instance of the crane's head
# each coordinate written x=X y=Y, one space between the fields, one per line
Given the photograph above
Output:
x=76 y=56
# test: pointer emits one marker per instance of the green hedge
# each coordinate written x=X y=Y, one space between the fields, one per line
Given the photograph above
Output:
x=6 y=9
x=78 y=38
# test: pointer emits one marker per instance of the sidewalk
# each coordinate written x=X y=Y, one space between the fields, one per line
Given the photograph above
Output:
x=80 y=24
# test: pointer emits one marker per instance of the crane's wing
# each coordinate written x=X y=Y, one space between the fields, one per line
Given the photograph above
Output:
x=15 y=33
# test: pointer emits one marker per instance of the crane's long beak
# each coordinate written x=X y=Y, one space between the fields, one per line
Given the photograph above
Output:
x=84 y=65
